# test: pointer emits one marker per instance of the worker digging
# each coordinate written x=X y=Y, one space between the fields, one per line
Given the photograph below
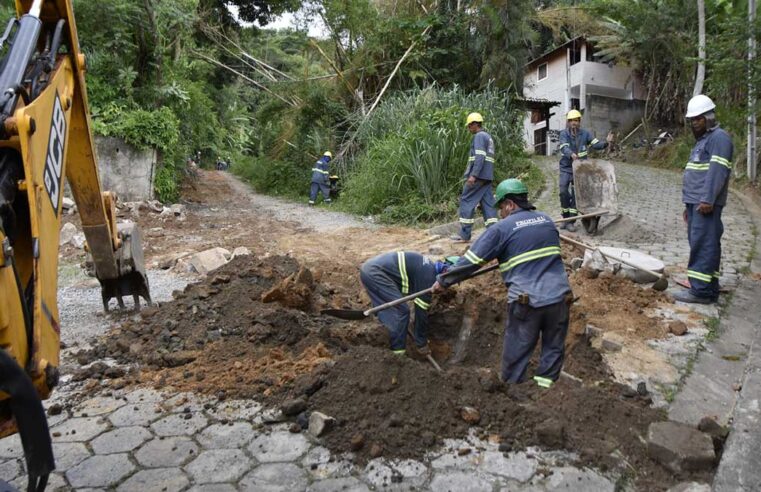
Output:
x=321 y=179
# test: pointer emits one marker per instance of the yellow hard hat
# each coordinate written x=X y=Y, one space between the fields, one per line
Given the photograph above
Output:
x=474 y=117
x=329 y=154
x=573 y=115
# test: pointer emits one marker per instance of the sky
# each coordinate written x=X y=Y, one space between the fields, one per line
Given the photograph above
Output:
x=294 y=21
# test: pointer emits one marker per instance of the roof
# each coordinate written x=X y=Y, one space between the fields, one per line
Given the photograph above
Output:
x=533 y=103
x=552 y=51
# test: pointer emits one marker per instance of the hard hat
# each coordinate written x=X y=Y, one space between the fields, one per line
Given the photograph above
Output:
x=510 y=187
x=698 y=105
x=573 y=114
x=474 y=117
x=329 y=154
x=452 y=259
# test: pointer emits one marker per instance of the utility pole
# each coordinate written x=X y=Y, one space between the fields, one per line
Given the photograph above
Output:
x=752 y=134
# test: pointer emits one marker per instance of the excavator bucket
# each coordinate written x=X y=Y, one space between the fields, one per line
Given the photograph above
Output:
x=131 y=280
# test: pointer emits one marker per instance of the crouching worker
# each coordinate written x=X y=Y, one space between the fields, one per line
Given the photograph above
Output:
x=527 y=245
x=391 y=276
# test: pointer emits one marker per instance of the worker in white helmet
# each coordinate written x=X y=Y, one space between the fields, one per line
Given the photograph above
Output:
x=704 y=193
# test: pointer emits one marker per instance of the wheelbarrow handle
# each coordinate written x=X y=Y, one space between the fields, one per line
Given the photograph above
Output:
x=614 y=258
x=410 y=297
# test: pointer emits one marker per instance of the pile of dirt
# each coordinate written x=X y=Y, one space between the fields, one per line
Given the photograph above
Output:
x=253 y=329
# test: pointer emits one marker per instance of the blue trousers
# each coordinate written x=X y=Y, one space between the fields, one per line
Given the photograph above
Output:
x=524 y=326
x=382 y=289
x=471 y=196
x=567 y=195
x=704 y=235
x=322 y=187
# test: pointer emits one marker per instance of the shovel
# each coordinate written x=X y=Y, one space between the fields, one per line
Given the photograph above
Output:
x=356 y=314
x=660 y=284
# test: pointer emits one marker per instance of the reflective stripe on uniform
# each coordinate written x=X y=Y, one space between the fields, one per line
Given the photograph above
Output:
x=543 y=382
x=582 y=154
x=697 y=166
x=491 y=221
x=467 y=221
x=716 y=274
x=399 y=352
x=320 y=171
x=699 y=276
x=403 y=272
x=573 y=211
x=564 y=145
x=471 y=158
x=473 y=258
x=594 y=141
x=529 y=256
x=480 y=152
x=422 y=304
x=489 y=159
x=720 y=160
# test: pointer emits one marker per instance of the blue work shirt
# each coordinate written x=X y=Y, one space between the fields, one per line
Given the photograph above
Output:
x=579 y=145
x=706 y=175
x=321 y=171
x=527 y=246
x=481 y=157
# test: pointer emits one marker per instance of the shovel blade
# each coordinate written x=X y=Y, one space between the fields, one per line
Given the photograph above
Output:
x=349 y=314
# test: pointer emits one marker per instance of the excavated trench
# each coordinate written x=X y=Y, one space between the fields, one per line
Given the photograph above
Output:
x=252 y=329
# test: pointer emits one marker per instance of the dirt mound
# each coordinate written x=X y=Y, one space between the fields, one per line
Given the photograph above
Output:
x=253 y=329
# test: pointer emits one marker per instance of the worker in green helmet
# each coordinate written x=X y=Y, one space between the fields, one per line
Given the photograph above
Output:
x=527 y=245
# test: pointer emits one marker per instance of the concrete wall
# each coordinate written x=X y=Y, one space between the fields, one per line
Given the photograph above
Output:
x=605 y=113
x=125 y=169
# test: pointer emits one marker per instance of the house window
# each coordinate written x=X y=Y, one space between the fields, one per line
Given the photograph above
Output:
x=537 y=116
x=590 y=52
x=541 y=71
x=575 y=103
x=574 y=54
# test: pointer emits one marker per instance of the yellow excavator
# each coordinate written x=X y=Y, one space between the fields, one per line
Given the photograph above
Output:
x=45 y=135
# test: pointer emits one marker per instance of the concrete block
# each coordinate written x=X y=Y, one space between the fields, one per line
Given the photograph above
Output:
x=456 y=481
x=274 y=477
x=135 y=414
x=79 y=429
x=209 y=260
x=218 y=436
x=347 y=484
x=157 y=480
x=680 y=447
x=219 y=465
x=120 y=440
x=170 y=451
x=278 y=446
x=69 y=454
x=178 y=425
x=100 y=471
x=516 y=466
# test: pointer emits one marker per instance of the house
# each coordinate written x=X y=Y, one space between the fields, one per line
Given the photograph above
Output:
x=610 y=96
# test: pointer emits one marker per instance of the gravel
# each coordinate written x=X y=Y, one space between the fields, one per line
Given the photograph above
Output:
x=317 y=218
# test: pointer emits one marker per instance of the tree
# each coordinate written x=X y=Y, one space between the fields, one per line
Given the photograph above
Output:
x=701 y=74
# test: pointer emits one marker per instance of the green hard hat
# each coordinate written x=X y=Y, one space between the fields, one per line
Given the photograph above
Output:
x=452 y=259
x=510 y=187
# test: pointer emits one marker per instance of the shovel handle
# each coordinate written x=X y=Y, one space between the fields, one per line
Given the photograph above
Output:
x=614 y=258
x=428 y=290
x=578 y=217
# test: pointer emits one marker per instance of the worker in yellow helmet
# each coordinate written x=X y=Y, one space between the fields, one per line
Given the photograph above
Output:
x=478 y=177
x=575 y=143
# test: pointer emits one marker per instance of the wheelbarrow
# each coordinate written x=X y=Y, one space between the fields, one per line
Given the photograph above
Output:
x=595 y=188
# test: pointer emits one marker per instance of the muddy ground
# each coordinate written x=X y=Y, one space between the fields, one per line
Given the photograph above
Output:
x=253 y=329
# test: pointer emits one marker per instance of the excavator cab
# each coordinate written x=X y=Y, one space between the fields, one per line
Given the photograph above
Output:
x=45 y=135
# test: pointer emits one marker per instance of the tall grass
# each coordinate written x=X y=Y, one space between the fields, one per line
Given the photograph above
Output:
x=410 y=156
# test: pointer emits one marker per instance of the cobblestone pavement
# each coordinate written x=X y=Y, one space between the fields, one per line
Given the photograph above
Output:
x=651 y=199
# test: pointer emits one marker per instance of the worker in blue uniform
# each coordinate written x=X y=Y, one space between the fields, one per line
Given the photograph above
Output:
x=575 y=143
x=526 y=244
x=478 y=178
x=704 y=193
x=321 y=179
x=391 y=276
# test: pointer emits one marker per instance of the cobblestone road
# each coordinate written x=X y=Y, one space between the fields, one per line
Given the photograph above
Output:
x=652 y=200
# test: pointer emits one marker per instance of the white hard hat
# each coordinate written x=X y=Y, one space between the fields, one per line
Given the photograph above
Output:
x=698 y=105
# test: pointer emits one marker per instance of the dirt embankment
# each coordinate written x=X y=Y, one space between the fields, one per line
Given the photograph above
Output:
x=253 y=329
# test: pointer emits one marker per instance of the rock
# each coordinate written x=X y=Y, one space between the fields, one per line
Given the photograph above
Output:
x=436 y=250
x=713 y=428
x=470 y=415
x=293 y=407
x=463 y=451
x=690 y=487
x=319 y=423
x=551 y=434
x=68 y=230
x=211 y=259
x=357 y=442
x=78 y=240
x=241 y=251
x=177 y=209
x=67 y=203
x=294 y=428
x=589 y=273
x=376 y=450
x=594 y=260
x=612 y=343
x=678 y=328
x=680 y=447
x=488 y=380
x=642 y=389
x=576 y=263
x=593 y=331
x=55 y=409
x=628 y=392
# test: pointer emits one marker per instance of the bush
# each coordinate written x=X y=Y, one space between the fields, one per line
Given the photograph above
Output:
x=413 y=153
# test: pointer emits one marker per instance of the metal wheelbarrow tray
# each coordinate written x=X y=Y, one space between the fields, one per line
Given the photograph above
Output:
x=594 y=182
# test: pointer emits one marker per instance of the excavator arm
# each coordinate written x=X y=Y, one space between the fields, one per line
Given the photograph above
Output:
x=45 y=135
